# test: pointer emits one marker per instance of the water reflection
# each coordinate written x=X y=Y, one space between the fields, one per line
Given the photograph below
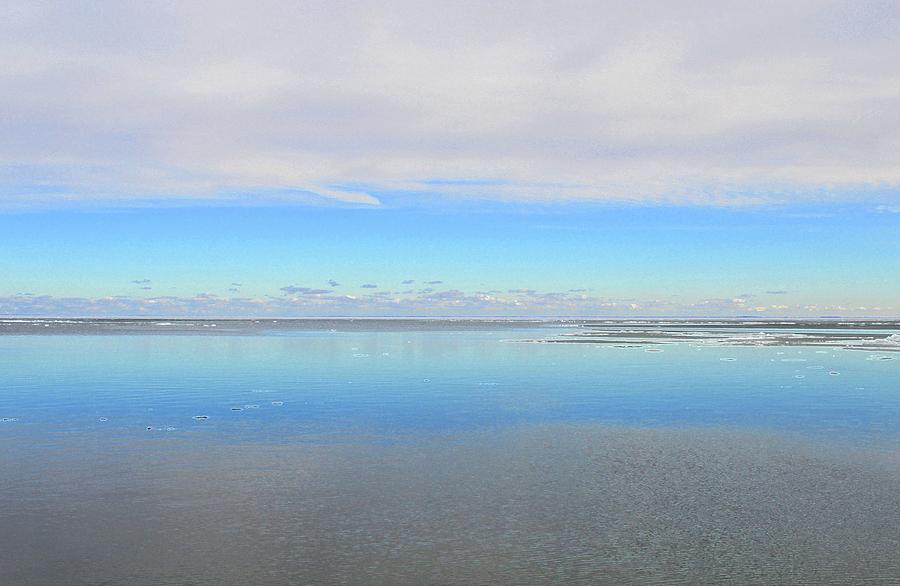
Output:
x=393 y=454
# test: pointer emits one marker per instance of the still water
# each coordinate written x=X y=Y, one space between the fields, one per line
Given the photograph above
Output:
x=215 y=452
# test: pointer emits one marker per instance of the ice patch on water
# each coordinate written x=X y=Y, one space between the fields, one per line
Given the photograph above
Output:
x=891 y=343
x=278 y=403
x=201 y=417
x=8 y=419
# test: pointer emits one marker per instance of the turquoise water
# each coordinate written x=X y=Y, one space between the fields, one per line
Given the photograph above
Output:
x=441 y=453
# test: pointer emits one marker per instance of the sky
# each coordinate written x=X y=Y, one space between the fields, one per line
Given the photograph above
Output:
x=449 y=159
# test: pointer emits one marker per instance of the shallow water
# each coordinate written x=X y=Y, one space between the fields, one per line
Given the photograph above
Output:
x=452 y=452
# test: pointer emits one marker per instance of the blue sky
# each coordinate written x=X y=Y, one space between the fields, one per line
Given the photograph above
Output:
x=226 y=158
x=462 y=259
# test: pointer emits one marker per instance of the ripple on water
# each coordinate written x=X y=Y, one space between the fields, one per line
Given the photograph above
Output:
x=556 y=504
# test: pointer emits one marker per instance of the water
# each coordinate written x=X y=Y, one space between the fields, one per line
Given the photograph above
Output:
x=392 y=451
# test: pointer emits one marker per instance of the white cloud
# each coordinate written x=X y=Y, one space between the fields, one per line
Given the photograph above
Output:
x=704 y=102
x=304 y=301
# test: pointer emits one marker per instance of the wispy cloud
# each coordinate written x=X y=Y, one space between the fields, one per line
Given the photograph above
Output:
x=293 y=290
x=368 y=286
x=453 y=302
x=754 y=103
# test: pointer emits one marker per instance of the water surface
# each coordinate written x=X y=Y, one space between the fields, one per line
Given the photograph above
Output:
x=415 y=451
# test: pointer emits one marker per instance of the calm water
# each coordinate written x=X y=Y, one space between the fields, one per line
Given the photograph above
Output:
x=453 y=452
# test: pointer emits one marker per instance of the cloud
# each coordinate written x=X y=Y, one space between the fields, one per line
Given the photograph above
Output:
x=434 y=282
x=776 y=292
x=368 y=286
x=885 y=209
x=333 y=283
x=407 y=282
x=141 y=281
x=237 y=285
x=742 y=104
x=293 y=290
x=452 y=302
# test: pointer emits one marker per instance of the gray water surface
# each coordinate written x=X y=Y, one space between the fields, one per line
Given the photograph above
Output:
x=397 y=453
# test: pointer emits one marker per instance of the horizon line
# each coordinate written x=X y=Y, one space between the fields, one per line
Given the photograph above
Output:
x=453 y=317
